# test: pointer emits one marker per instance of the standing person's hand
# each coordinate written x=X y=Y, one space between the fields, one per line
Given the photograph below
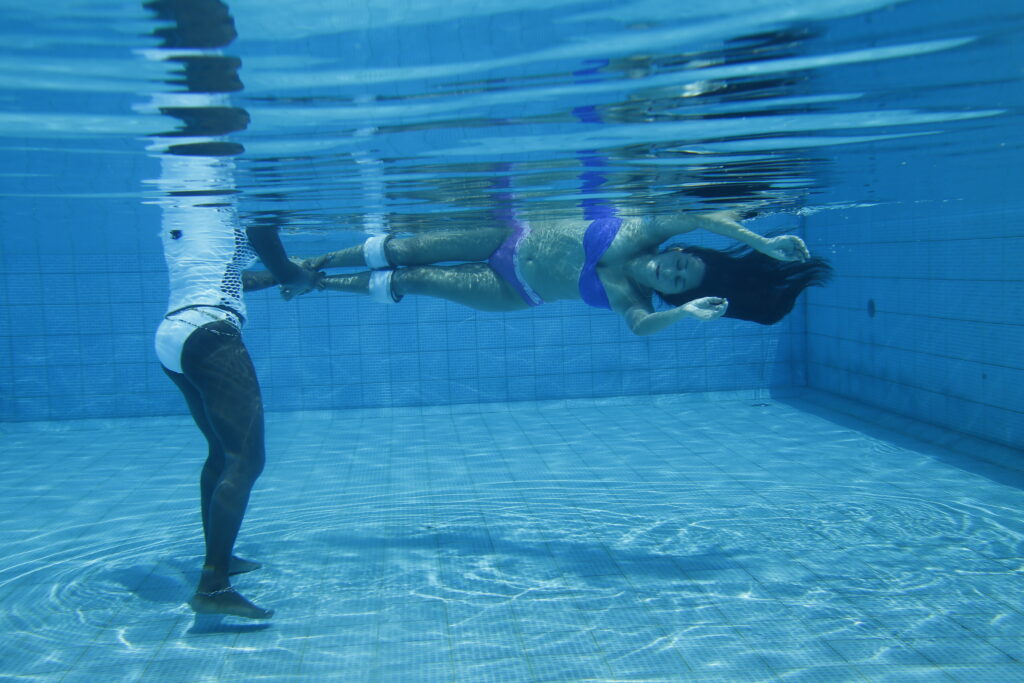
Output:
x=302 y=281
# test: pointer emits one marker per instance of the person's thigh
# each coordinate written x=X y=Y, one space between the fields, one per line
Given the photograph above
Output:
x=438 y=247
x=474 y=285
x=217 y=363
x=194 y=401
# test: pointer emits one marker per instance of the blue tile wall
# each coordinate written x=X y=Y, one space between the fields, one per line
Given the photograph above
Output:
x=83 y=288
x=928 y=230
x=943 y=345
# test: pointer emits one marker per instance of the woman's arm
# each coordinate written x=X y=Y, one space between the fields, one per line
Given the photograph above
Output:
x=643 y=322
x=635 y=307
x=783 y=248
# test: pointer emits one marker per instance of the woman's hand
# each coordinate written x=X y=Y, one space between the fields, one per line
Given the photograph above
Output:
x=642 y=321
x=707 y=308
x=786 y=248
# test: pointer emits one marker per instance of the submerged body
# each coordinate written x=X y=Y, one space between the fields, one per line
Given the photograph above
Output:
x=611 y=263
x=553 y=258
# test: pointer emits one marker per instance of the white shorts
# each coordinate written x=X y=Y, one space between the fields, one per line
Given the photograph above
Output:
x=177 y=327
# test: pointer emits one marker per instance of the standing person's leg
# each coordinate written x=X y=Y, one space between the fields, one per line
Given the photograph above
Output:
x=216 y=363
x=421 y=249
x=214 y=465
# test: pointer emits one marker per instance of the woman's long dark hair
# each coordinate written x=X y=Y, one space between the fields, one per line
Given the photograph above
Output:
x=758 y=287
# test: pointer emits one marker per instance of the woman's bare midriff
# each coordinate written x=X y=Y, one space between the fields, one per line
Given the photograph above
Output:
x=551 y=257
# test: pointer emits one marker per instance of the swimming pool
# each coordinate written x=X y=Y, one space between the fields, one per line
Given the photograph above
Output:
x=453 y=495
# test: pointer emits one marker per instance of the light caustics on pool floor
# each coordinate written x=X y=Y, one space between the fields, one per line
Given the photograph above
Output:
x=744 y=540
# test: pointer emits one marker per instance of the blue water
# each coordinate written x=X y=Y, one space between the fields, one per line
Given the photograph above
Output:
x=407 y=113
x=538 y=496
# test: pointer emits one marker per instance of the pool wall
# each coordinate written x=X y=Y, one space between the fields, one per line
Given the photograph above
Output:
x=925 y=321
x=84 y=286
x=925 y=317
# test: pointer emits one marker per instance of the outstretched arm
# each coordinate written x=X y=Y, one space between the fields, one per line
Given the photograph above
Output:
x=254 y=280
x=783 y=248
x=293 y=278
x=643 y=322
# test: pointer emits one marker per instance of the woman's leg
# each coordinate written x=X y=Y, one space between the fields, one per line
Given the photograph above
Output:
x=216 y=363
x=474 y=285
x=422 y=249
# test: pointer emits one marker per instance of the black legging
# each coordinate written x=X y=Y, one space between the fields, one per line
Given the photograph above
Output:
x=223 y=395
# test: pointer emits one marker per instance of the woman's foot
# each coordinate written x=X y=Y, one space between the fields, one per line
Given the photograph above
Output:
x=227 y=601
x=241 y=566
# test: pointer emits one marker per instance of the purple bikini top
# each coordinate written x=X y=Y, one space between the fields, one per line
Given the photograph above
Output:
x=599 y=236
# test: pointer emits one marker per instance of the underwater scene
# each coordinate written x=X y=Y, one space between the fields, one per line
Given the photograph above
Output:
x=524 y=341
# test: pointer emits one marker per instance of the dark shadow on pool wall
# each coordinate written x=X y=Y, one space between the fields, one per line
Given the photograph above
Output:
x=993 y=461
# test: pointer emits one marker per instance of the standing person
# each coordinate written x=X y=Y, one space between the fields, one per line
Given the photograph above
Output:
x=200 y=346
x=199 y=342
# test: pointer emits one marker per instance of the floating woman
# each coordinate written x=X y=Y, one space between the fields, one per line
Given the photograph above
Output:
x=612 y=262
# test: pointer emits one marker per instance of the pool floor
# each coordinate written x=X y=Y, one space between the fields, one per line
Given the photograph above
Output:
x=729 y=538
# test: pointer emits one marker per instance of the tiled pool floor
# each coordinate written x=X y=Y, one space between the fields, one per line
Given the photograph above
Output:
x=676 y=539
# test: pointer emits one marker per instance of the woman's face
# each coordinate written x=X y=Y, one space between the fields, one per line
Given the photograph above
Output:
x=671 y=272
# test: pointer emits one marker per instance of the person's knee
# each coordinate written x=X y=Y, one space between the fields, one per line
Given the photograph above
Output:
x=397 y=252
x=215 y=455
x=407 y=281
x=253 y=464
x=244 y=469
x=213 y=468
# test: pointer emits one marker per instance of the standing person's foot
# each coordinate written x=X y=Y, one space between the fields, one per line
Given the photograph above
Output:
x=227 y=601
